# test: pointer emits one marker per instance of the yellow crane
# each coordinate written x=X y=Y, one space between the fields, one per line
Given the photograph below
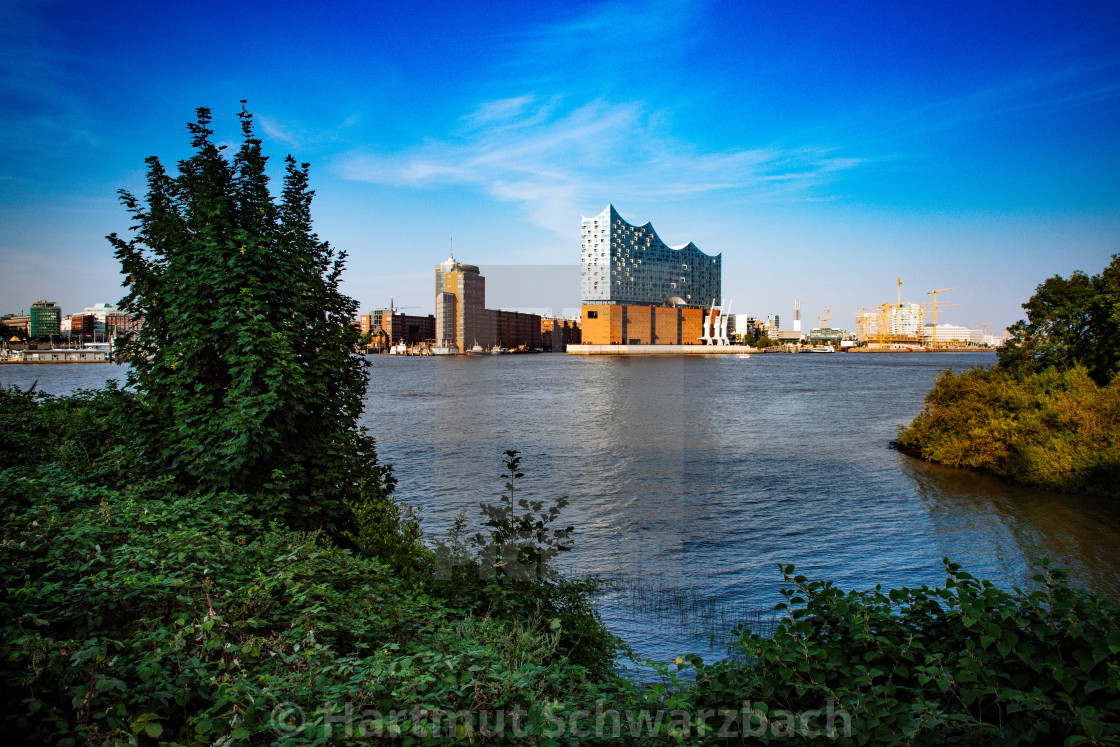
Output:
x=935 y=305
x=885 y=312
x=827 y=318
x=864 y=319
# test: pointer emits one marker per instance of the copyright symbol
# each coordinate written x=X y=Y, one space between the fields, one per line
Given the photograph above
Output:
x=287 y=718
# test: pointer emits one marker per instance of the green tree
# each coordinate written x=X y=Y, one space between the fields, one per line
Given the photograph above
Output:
x=1070 y=321
x=243 y=366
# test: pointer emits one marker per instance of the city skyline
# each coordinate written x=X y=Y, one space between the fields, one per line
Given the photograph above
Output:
x=821 y=151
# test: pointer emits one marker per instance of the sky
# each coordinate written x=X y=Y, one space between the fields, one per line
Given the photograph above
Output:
x=823 y=148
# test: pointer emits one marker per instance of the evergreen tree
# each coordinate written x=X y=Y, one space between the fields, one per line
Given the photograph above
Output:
x=243 y=366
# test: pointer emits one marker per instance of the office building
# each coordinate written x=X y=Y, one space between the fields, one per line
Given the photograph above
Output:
x=45 y=319
x=463 y=321
x=408 y=328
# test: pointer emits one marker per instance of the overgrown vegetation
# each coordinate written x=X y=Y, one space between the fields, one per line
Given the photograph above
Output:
x=134 y=610
x=1049 y=413
x=965 y=663
x=137 y=612
x=243 y=369
x=1057 y=429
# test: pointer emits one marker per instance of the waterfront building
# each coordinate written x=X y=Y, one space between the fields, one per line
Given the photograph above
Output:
x=84 y=355
x=788 y=335
x=558 y=334
x=829 y=334
x=45 y=319
x=462 y=319
x=953 y=334
x=15 y=325
x=628 y=264
x=80 y=326
x=108 y=319
x=744 y=324
x=772 y=326
x=905 y=319
x=407 y=327
x=460 y=306
x=619 y=324
x=637 y=290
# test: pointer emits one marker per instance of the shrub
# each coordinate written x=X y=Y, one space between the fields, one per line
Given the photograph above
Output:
x=1055 y=429
x=243 y=365
x=965 y=663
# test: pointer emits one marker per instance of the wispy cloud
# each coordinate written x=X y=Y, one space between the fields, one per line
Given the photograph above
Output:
x=275 y=131
x=1065 y=87
x=554 y=159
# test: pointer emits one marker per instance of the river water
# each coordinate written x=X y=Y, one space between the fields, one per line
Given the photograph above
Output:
x=691 y=479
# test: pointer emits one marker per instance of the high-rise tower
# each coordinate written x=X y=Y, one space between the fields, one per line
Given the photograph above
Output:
x=461 y=317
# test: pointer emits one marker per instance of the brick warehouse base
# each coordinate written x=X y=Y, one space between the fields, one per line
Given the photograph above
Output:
x=660 y=350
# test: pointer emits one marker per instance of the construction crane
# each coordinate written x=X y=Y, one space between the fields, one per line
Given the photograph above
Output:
x=864 y=318
x=827 y=318
x=885 y=312
x=935 y=305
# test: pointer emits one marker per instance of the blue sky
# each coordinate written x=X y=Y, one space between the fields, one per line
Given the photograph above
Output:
x=822 y=148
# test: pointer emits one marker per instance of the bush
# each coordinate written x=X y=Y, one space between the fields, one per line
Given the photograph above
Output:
x=508 y=570
x=243 y=366
x=965 y=663
x=1054 y=429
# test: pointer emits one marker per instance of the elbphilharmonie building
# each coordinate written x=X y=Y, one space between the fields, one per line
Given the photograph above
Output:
x=631 y=265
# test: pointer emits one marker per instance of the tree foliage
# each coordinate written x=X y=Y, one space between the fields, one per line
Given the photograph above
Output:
x=243 y=364
x=1070 y=321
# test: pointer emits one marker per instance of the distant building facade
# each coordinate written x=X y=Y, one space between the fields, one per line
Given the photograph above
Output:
x=637 y=290
x=45 y=319
x=743 y=325
x=953 y=334
x=627 y=264
x=408 y=328
x=558 y=334
x=905 y=319
x=462 y=319
x=624 y=324
x=829 y=334
x=15 y=325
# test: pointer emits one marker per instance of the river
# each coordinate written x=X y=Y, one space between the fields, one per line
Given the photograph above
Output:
x=691 y=479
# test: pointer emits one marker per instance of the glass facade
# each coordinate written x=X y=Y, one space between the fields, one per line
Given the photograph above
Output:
x=627 y=264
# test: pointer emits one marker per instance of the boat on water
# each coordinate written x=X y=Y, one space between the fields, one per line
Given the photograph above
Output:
x=449 y=348
x=499 y=350
x=399 y=349
x=822 y=349
x=477 y=349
